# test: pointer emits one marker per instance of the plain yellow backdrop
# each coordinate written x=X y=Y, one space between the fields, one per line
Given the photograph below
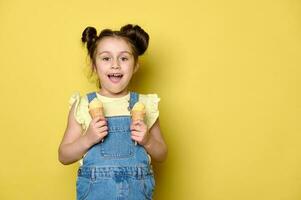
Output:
x=227 y=72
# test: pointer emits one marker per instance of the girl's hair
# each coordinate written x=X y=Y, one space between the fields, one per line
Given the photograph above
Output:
x=134 y=35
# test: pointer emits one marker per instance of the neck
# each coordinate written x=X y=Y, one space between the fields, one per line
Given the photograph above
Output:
x=112 y=94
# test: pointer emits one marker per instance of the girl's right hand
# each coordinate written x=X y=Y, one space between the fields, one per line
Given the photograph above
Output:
x=96 y=131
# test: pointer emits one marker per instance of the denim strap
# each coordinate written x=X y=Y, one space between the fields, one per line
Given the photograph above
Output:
x=134 y=97
x=91 y=96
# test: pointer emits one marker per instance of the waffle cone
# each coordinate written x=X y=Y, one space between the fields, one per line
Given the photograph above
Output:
x=96 y=112
x=138 y=115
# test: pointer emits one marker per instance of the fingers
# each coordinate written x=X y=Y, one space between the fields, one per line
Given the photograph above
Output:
x=138 y=130
x=103 y=134
x=100 y=123
x=136 y=138
x=138 y=122
x=139 y=137
x=102 y=129
x=98 y=118
x=136 y=133
x=138 y=125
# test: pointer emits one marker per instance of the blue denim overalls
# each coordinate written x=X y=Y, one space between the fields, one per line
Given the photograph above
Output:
x=116 y=168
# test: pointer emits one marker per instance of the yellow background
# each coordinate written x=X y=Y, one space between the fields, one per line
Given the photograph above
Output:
x=228 y=74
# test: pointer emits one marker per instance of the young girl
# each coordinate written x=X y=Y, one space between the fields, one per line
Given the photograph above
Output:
x=114 y=152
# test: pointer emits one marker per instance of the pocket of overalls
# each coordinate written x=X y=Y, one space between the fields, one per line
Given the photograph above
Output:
x=83 y=186
x=117 y=145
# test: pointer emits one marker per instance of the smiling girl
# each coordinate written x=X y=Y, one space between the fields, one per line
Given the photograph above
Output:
x=115 y=152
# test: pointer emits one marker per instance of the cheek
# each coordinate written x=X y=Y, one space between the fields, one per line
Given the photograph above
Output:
x=100 y=73
x=130 y=69
x=100 y=68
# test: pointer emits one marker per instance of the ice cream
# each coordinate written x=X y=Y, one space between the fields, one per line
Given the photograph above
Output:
x=138 y=111
x=96 y=109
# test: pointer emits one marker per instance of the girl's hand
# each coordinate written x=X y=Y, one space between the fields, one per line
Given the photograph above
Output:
x=96 y=131
x=139 y=132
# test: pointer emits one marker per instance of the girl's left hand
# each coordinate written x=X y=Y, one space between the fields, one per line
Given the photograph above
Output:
x=139 y=132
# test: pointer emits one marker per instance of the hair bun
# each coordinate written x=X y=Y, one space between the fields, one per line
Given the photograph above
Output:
x=89 y=36
x=139 y=37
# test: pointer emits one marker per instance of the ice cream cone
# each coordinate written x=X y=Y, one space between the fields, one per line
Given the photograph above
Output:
x=138 y=115
x=96 y=109
x=96 y=112
x=138 y=111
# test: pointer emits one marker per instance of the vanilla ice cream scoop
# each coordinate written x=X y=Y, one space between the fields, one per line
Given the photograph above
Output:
x=96 y=108
x=95 y=103
x=138 y=107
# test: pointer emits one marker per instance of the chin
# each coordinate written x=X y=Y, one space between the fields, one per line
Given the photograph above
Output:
x=118 y=91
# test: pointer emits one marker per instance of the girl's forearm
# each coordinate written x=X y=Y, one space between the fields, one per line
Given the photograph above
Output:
x=156 y=149
x=72 y=152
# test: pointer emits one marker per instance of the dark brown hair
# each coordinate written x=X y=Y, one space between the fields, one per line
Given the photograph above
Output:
x=133 y=34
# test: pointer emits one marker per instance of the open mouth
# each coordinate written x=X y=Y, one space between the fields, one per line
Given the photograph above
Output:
x=115 y=77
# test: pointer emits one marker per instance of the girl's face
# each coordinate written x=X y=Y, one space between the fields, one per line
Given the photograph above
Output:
x=115 y=65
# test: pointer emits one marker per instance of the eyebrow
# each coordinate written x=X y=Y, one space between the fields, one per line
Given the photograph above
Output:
x=110 y=52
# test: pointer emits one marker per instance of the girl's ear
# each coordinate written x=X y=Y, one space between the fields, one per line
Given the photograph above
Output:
x=136 y=67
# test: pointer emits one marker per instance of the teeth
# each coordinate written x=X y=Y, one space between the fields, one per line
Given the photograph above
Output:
x=115 y=75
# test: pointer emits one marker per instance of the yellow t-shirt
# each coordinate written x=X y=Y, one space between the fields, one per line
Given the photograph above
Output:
x=114 y=107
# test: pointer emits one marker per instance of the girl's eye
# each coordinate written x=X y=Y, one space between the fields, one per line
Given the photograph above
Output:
x=106 y=58
x=124 y=58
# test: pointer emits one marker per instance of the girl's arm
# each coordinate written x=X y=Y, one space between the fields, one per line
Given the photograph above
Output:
x=155 y=144
x=74 y=145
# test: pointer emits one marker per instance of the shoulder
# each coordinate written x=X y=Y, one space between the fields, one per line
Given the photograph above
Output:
x=80 y=102
x=151 y=102
x=77 y=98
x=149 y=98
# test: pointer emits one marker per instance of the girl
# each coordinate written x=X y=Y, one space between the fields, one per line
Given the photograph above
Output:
x=114 y=152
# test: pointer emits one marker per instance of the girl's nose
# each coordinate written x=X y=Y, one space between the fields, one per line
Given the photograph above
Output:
x=115 y=65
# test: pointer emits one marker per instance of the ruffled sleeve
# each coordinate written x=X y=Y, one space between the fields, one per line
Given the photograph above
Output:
x=80 y=110
x=151 y=102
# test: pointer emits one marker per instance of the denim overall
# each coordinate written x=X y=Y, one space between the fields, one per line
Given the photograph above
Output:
x=116 y=168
